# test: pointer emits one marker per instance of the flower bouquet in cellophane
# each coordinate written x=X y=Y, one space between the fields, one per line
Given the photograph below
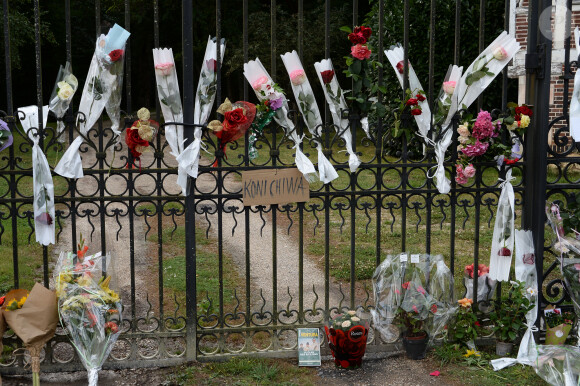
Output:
x=88 y=308
x=62 y=94
x=238 y=117
x=347 y=339
x=33 y=318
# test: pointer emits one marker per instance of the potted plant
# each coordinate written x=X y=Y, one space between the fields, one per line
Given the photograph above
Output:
x=559 y=325
x=347 y=339
x=417 y=306
x=463 y=329
x=509 y=317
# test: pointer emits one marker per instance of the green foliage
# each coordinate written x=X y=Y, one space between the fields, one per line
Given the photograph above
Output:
x=554 y=319
x=571 y=215
x=509 y=317
x=463 y=328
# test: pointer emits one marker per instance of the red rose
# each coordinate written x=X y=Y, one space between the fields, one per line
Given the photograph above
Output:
x=357 y=38
x=412 y=102
x=235 y=117
x=434 y=308
x=364 y=31
x=44 y=218
x=400 y=67
x=360 y=52
x=115 y=55
x=132 y=139
x=327 y=76
x=211 y=65
x=420 y=97
x=511 y=161
x=504 y=252
x=416 y=111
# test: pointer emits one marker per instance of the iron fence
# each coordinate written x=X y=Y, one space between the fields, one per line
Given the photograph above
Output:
x=168 y=321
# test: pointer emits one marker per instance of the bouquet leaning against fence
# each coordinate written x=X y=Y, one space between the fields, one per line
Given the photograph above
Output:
x=88 y=308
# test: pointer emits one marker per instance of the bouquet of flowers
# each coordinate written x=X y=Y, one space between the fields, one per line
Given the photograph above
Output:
x=559 y=323
x=88 y=308
x=6 y=138
x=103 y=81
x=42 y=185
x=347 y=339
x=62 y=94
x=309 y=110
x=33 y=318
x=140 y=134
x=272 y=95
x=337 y=104
x=485 y=285
x=204 y=99
x=237 y=119
x=503 y=233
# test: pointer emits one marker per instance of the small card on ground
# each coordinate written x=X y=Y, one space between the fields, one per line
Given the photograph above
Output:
x=308 y=347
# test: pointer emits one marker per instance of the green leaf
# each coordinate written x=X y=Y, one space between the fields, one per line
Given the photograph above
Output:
x=382 y=89
x=356 y=67
x=512 y=335
x=380 y=109
x=346 y=28
x=515 y=325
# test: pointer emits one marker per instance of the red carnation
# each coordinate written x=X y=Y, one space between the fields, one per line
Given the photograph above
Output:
x=416 y=111
x=115 y=55
x=327 y=76
x=111 y=327
x=420 y=97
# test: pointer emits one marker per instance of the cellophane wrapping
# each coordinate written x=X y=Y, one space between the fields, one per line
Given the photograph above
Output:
x=88 y=308
x=62 y=94
x=102 y=81
x=503 y=233
x=204 y=100
x=42 y=185
x=558 y=365
x=525 y=272
x=337 y=104
x=309 y=109
x=254 y=71
x=398 y=282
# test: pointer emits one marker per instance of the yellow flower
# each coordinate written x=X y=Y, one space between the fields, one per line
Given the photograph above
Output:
x=524 y=121
x=85 y=281
x=472 y=353
x=22 y=301
x=60 y=288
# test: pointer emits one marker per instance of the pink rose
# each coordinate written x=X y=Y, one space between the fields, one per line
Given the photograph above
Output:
x=449 y=87
x=500 y=53
x=297 y=77
x=360 y=52
x=164 y=69
x=257 y=85
x=461 y=179
x=475 y=150
x=469 y=171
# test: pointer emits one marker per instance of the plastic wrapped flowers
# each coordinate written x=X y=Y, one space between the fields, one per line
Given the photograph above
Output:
x=88 y=308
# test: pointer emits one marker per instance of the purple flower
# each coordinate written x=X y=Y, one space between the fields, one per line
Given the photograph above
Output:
x=275 y=104
x=475 y=150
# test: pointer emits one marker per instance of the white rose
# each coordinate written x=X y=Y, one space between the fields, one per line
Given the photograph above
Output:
x=351 y=313
x=65 y=91
x=346 y=324
x=500 y=53
x=355 y=319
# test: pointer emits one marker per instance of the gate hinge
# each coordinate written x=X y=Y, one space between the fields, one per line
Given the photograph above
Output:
x=535 y=61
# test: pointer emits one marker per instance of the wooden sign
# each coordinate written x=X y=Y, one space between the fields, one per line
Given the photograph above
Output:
x=274 y=186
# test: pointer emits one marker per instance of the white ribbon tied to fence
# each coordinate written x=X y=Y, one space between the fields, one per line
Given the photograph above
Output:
x=42 y=185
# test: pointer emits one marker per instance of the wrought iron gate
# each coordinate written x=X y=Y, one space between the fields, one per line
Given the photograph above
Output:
x=347 y=227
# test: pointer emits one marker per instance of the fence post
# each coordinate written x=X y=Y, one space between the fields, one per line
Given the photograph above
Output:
x=190 y=250
x=538 y=60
